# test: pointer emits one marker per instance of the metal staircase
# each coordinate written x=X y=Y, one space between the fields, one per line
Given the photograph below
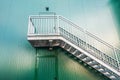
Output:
x=55 y=30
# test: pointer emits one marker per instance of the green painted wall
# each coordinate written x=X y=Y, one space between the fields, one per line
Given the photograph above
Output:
x=18 y=57
x=115 y=5
x=61 y=65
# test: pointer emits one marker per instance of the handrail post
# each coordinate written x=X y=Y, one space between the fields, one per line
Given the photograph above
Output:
x=31 y=27
x=55 y=22
x=58 y=32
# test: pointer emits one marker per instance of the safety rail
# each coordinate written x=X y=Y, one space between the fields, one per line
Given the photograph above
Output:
x=58 y=25
x=95 y=52
x=44 y=24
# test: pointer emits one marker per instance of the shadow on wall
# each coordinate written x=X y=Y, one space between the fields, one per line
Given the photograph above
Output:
x=115 y=4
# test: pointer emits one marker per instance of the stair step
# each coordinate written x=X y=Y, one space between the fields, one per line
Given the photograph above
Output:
x=77 y=53
x=92 y=63
x=82 y=56
x=101 y=70
x=87 y=59
x=67 y=46
x=74 y=52
x=107 y=73
x=69 y=49
x=112 y=77
x=96 y=67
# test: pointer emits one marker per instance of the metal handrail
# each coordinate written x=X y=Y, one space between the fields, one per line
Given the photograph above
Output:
x=97 y=53
x=56 y=24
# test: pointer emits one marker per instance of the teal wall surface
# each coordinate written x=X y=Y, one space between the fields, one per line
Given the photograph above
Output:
x=17 y=56
x=115 y=6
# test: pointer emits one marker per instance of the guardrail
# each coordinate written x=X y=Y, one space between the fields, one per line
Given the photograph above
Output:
x=55 y=24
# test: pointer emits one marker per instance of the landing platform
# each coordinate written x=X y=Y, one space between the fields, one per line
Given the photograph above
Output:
x=44 y=40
